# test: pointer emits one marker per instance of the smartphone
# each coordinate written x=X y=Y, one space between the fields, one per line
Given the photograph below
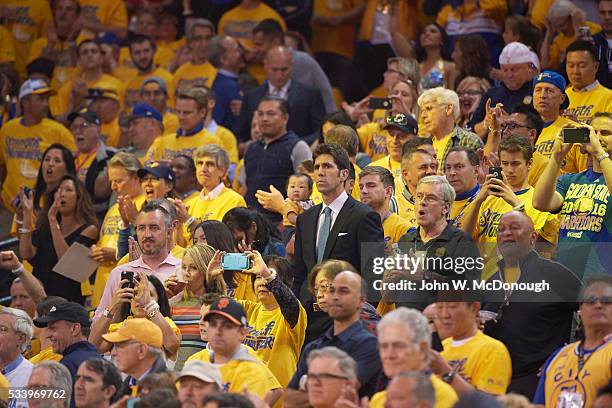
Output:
x=235 y=262
x=26 y=192
x=131 y=403
x=129 y=275
x=576 y=135
x=497 y=173
x=584 y=31
x=380 y=103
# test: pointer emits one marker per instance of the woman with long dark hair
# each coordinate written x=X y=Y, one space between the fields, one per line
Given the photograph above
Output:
x=252 y=230
x=471 y=57
x=129 y=302
x=432 y=52
x=67 y=217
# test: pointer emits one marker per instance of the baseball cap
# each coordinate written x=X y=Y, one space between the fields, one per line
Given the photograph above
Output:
x=143 y=110
x=107 y=38
x=228 y=308
x=202 y=371
x=158 y=170
x=515 y=53
x=405 y=123
x=34 y=87
x=104 y=90
x=69 y=311
x=553 y=78
x=158 y=81
x=142 y=330
x=87 y=114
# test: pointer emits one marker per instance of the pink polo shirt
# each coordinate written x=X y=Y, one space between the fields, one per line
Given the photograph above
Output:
x=162 y=271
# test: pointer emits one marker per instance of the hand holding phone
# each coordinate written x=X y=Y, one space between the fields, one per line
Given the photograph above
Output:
x=496 y=172
x=235 y=262
x=129 y=276
x=379 y=103
x=576 y=135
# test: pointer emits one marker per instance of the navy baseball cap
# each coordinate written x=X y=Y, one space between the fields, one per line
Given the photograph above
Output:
x=69 y=311
x=107 y=38
x=143 y=110
x=158 y=170
x=553 y=78
x=230 y=309
x=87 y=114
x=405 y=123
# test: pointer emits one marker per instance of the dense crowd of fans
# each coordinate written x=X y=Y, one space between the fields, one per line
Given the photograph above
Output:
x=205 y=203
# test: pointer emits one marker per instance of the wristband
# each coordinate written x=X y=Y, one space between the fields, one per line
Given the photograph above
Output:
x=150 y=306
x=24 y=231
x=190 y=221
x=270 y=277
x=18 y=271
x=602 y=157
x=18 y=222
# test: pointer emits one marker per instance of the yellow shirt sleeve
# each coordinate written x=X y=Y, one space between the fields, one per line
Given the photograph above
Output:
x=7 y=47
x=229 y=141
x=495 y=371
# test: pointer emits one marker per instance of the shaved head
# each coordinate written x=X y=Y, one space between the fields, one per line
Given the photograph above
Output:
x=346 y=297
x=516 y=235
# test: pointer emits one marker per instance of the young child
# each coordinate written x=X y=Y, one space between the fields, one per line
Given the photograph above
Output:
x=299 y=189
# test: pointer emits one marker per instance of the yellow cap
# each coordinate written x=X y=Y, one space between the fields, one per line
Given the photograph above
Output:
x=142 y=330
x=106 y=90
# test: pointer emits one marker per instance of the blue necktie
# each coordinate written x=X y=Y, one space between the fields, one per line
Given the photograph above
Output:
x=324 y=233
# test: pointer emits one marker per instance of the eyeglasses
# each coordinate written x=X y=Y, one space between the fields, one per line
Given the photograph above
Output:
x=513 y=125
x=324 y=377
x=429 y=199
x=604 y=300
x=81 y=127
x=469 y=93
x=326 y=287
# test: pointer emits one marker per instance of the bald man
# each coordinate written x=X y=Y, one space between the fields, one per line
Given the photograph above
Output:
x=531 y=324
x=348 y=334
x=306 y=108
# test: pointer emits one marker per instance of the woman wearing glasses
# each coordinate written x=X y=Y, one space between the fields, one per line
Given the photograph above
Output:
x=470 y=91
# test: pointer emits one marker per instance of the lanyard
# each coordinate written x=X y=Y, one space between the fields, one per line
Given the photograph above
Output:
x=460 y=215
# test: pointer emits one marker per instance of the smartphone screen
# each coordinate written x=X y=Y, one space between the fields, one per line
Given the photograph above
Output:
x=235 y=262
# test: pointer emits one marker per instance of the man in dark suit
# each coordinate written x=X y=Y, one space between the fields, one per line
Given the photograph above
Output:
x=306 y=109
x=337 y=228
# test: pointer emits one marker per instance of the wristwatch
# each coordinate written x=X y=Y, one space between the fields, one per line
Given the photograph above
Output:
x=107 y=313
x=449 y=377
x=151 y=314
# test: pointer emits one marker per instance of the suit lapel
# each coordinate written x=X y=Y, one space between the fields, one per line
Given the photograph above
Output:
x=312 y=222
x=341 y=220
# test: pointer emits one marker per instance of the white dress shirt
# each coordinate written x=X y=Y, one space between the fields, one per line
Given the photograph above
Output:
x=335 y=207
x=280 y=93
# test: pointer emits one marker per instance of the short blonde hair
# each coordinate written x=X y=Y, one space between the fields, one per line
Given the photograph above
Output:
x=482 y=84
x=126 y=160
x=441 y=96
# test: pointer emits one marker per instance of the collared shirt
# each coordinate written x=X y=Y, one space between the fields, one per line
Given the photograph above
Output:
x=335 y=207
x=161 y=271
x=212 y=194
x=281 y=93
x=227 y=73
x=357 y=342
x=17 y=373
x=212 y=127
x=198 y=128
x=587 y=88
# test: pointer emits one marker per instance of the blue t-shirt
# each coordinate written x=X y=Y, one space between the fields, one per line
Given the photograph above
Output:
x=585 y=224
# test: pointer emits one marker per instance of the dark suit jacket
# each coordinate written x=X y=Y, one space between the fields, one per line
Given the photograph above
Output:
x=306 y=111
x=358 y=224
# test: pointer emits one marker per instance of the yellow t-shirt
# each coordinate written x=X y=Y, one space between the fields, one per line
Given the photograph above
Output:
x=111 y=133
x=445 y=395
x=46 y=354
x=239 y=22
x=339 y=39
x=238 y=374
x=65 y=91
x=440 y=146
x=108 y=12
x=482 y=361
x=215 y=209
x=373 y=140
x=584 y=104
x=171 y=123
x=395 y=168
x=244 y=288
x=109 y=237
x=275 y=343
x=169 y=146
x=132 y=87
x=539 y=12
x=4 y=388
x=462 y=206
x=188 y=74
x=485 y=233
x=561 y=41
x=229 y=141
x=21 y=150
x=31 y=22
x=405 y=209
x=394 y=228
x=575 y=162
x=7 y=48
